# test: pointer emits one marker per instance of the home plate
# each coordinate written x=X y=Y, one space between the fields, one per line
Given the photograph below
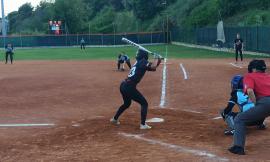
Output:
x=155 y=120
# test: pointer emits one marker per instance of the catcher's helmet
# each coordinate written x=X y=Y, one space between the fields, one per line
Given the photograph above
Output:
x=141 y=54
x=237 y=82
x=258 y=65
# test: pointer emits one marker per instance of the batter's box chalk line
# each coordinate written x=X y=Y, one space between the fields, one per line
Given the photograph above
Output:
x=184 y=71
x=191 y=111
x=235 y=65
x=26 y=125
x=155 y=120
x=177 y=148
x=217 y=118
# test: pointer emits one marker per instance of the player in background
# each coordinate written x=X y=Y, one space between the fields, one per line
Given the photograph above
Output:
x=239 y=98
x=122 y=59
x=129 y=91
x=82 y=42
x=238 y=46
x=9 y=52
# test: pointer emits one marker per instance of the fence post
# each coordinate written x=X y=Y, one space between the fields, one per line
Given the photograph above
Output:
x=66 y=38
x=257 y=37
x=21 y=39
x=77 y=39
x=102 y=39
x=151 y=37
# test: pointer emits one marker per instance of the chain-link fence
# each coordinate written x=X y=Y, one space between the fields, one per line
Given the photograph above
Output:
x=255 y=38
x=90 y=39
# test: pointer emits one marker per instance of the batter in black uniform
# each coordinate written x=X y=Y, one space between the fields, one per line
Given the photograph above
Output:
x=129 y=91
x=238 y=46
x=123 y=58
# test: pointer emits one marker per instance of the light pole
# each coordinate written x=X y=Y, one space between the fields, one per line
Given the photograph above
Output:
x=4 y=32
x=167 y=22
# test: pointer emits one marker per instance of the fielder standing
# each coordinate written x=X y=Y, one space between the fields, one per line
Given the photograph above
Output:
x=82 y=44
x=9 y=52
x=257 y=86
x=129 y=91
x=238 y=46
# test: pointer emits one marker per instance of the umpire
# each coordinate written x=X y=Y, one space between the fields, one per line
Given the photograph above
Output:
x=238 y=46
x=9 y=52
x=257 y=86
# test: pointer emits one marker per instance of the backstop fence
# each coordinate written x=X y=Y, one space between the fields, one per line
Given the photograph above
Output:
x=255 y=38
x=90 y=39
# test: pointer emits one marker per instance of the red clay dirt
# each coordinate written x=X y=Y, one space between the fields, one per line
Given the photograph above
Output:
x=80 y=97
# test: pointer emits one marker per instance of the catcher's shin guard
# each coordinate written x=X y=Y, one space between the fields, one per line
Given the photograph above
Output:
x=229 y=119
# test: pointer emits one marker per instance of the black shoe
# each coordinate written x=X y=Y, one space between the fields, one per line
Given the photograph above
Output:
x=229 y=132
x=237 y=150
x=261 y=126
x=222 y=114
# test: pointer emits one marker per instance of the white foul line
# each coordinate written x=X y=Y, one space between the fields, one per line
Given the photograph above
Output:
x=216 y=118
x=236 y=65
x=24 y=125
x=163 y=89
x=184 y=71
x=175 y=147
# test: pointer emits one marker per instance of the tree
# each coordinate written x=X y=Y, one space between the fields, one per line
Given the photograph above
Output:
x=12 y=17
x=144 y=10
x=72 y=12
x=25 y=11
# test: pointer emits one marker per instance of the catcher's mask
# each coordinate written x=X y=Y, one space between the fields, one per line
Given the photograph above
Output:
x=258 y=65
x=237 y=82
x=141 y=54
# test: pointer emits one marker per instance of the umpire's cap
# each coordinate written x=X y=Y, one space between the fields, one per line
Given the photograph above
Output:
x=141 y=54
x=258 y=65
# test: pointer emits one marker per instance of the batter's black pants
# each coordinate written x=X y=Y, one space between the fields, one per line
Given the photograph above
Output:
x=129 y=93
x=237 y=52
x=10 y=54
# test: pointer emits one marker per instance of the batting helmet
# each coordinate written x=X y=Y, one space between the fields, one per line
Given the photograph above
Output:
x=258 y=65
x=141 y=54
x=237 y=82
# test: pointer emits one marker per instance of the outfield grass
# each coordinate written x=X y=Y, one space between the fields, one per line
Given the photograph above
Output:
x=109 y=53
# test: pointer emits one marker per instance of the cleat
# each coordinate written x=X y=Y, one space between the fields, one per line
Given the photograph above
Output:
x=145 y=126
x=261 y=126
x=237 y=150
x=115 y=122
x=222 y=114
x=229 y=132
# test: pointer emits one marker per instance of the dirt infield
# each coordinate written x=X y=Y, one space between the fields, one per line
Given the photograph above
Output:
x=79 y=98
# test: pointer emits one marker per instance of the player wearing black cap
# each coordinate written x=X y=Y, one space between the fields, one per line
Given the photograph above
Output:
x=129 y=91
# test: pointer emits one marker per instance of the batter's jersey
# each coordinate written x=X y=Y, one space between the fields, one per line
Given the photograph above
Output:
x=138 y=70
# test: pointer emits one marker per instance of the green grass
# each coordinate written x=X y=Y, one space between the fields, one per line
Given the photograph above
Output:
x=109 y=53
